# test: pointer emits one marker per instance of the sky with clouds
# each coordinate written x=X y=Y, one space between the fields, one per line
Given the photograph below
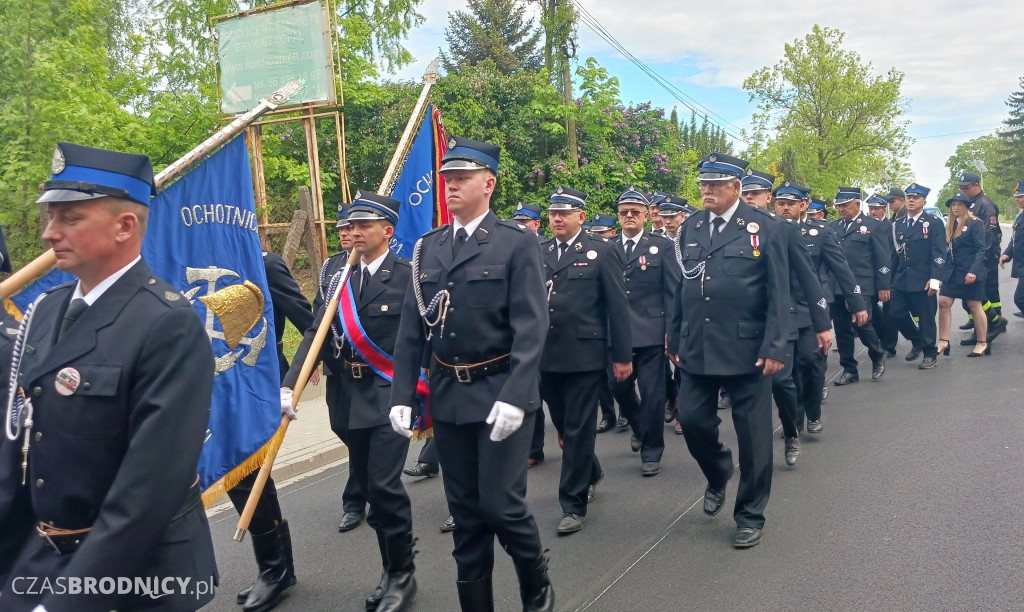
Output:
x=960 y=60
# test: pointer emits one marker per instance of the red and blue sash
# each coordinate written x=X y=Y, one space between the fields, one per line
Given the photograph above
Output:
x=381 y=363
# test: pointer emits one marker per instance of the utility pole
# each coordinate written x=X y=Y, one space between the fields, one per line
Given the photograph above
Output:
x=570 y=124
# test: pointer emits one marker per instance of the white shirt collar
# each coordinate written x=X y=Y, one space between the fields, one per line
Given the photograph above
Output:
x=727 y=215
x=635 y=239
x=916 y=217
x=91 y=297
x=471 y=226
x=571 y=240
x=373 y=265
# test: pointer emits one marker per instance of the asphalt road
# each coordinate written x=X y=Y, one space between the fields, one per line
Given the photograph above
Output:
x=910 y=499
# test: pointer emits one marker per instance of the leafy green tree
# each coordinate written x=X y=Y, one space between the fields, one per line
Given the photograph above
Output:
x=495 y=30
x=1012 y=136
x=997 y=182
x=843 y=124
x=705 y=140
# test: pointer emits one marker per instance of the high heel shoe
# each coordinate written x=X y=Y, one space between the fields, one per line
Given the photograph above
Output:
x=945 y=349
x=987 y=351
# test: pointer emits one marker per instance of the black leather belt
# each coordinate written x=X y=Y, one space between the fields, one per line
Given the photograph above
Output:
x=64 y=541
x=466 y=373
x=358 y=370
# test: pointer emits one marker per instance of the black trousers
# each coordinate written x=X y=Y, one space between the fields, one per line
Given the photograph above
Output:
x=784 y=393
x=847 y=332
x=880 y=321
x=376 y=457
x=268 y=510
x=428 y=454
x=809 y=374
x=752 y=417
x=1018 y=295
x=353 y=497
x=485 y=483
x=537 y=441
x=671 y=381
x=918 y=304
x=570 y=397
x=645 y=413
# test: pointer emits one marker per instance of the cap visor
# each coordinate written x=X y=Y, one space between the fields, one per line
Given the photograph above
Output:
x=461 y=164
x=67 y=195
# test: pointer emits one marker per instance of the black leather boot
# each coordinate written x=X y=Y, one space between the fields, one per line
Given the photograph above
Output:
x=374 y=599
x=401 y=586
x=534 y=585
x=273 y=556
x=476 y=595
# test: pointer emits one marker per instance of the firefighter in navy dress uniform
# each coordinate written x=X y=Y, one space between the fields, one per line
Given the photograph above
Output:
x=588 y=310
x=730 y=328
x=478 y=302
x=964 y=278
x=920 y=243
x=603 y=226
x=984 y=209
x=116 y=376
x=376 y=453
x=1015 y=251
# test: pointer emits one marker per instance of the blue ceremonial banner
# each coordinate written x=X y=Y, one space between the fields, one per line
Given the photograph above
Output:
x=415 y=190
x=51 y=279
x=202 y=238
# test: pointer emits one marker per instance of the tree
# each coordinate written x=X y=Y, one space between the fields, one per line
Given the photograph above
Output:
x=495 y=30
x=705 y=140
x=998 y=183
x=844 y=124
x=1012 y=136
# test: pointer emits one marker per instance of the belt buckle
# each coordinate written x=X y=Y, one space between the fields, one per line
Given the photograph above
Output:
x=357 y=371
x=462 y=374
x=49 y=540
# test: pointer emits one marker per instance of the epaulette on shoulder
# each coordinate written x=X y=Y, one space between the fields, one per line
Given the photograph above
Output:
x=164 y=291
x=763 y=211
x=438 y=229
x=817 y=222
x=402 y=261
x=601 y=239
x=514 y=225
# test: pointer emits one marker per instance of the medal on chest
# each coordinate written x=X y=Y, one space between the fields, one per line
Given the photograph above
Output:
x=755 y=242
x=924 y=228
x=67 y=381
x=643 y=262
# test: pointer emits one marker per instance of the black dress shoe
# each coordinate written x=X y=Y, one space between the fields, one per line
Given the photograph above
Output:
x=878 y=368
x=604 y=425
x=968 y=325
x=846 y=379
x=814 y=426
x=995 y=328
x=969 y=341
x=913 y=354
x=622 y=424
x=792 y=450
x=926 y=364
x=351 y=520
x=634 y=443
x=650 y=468
x=421 y=470
x=714 y=499
x=570 y=523
x=448 y=525
x=746 y=537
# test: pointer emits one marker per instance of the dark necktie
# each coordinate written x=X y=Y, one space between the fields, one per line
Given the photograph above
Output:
x=75 y=310
x=849 y=222
x=562 y=248
x=718 y=223
x=460 y=241
x=366 y=281
x=629 y=250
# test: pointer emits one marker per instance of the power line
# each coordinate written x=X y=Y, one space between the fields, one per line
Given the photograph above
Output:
x=686 y=100
x=957 y=133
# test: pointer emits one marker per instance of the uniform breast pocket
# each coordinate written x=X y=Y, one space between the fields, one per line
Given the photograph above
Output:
x=692 y=256
x=652 y=274
x=430 y=281
x=859 y=238
x=582 y=273
x=487 y=286
x=93 y=409
x=739 y=260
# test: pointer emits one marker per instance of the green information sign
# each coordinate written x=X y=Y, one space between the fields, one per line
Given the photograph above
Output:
x=259 y=53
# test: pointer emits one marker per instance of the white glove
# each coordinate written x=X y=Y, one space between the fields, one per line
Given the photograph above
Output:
x=401 y=420
x=40 y=607
x=286 y=404
x=506 y=419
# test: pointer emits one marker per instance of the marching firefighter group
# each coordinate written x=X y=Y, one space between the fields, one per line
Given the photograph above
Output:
x=729 y=306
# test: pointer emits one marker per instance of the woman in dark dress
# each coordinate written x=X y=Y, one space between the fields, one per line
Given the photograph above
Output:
x=965 y=273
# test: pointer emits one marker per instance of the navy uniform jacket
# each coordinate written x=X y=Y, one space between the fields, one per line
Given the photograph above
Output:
x=809 y=307
x=920 y=252
x=587 y=304
x=288 y=302
x=363 y=403
x=866 y=246
x=737 y=310
x=332 y=265
x=986 y=210
x=497 y=307
x=1015 y=250
x=120 y=453
x=650 y=287
x=828 y=258
x=966 y=254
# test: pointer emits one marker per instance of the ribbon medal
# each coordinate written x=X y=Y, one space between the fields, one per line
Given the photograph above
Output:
x=643 y=262
x=924 y=228
x=754 y=242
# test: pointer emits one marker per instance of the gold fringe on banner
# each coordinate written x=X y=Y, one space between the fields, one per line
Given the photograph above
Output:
x=423 y=435
x=250 y=465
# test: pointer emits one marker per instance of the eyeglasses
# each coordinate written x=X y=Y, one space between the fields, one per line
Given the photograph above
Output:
x=631 y=213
